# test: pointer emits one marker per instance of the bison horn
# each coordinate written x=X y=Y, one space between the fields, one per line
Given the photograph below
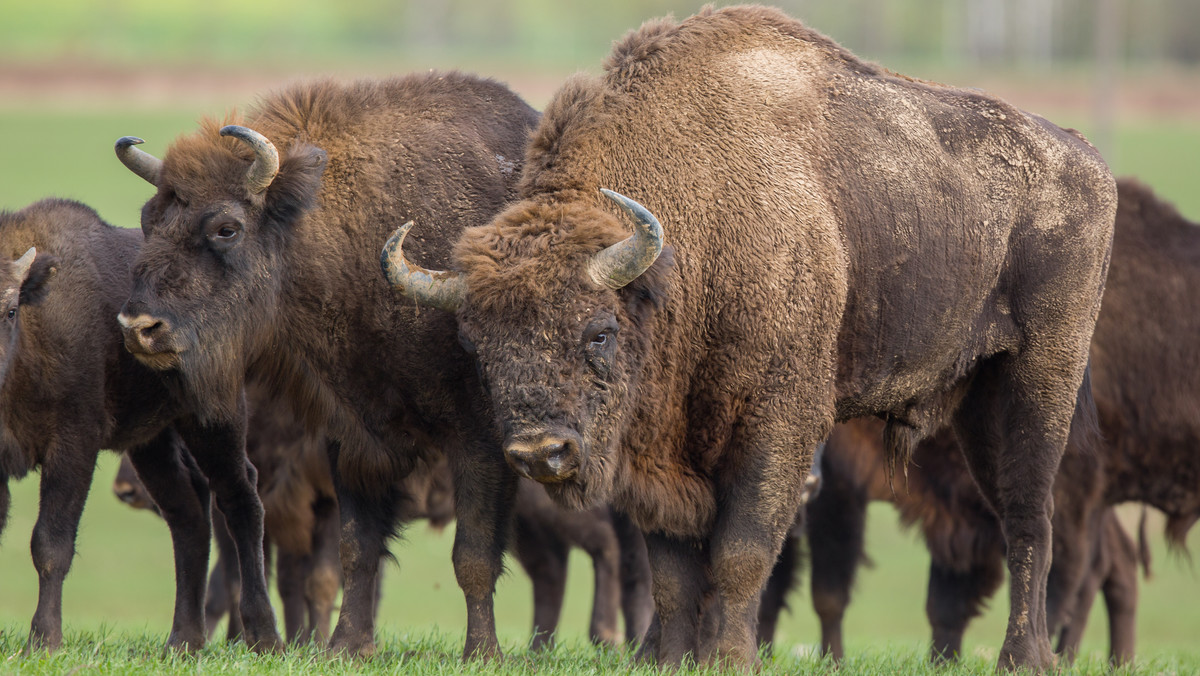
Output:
x=20 y=267
x=622 y=262
x=266 y=158
x=139 y=161
x=435 y=288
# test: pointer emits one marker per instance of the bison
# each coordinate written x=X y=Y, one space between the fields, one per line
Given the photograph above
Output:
x=70 y=388
x=261 y=254
x=839 y=241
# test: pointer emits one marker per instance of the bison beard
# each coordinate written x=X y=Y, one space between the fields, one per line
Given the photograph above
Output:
x=846 y=242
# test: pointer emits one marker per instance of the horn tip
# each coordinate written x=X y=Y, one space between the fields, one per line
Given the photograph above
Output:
x=126 y=141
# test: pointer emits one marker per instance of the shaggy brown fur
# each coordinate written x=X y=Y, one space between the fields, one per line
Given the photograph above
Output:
x=70 y=388
x=845 y=242
x=296 y=297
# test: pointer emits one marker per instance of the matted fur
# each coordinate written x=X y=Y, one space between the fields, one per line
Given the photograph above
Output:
x=842 y=242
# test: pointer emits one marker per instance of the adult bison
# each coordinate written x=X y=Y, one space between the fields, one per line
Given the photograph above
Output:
x=844 y=242
x=70 y=388
x=965 y=542
x=261 y=255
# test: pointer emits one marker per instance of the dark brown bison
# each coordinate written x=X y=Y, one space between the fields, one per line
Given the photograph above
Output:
x=70 y=388
x=261 y=255
x=965 y=541
x=843 y=242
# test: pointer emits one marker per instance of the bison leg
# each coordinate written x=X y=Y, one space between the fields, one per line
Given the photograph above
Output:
x=291 y=573
x=1013 y=426
x=224 y=584
x=955 y=597
x=220 y=451
x=66 y=477
x=544 y=558
x=836 y=524
x=366 y=523
x=485 y=491
x=637 y=603
x=680 y=583
x=1120 y=591
x=180 y=491
x=598 y=539
x=774 y=597
x=325 y=573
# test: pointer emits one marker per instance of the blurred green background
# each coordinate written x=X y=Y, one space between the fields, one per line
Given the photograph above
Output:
x=75 y=75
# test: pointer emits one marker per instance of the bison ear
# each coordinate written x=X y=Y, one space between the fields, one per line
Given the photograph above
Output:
x=35 y=286
x=297 y=184
x=648 y=291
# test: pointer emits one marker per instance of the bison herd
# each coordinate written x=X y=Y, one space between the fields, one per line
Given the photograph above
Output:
x=625 y=325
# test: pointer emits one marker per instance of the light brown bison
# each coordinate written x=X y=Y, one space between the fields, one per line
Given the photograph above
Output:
x=843 y=241
x=261 y=255
x=70 y=388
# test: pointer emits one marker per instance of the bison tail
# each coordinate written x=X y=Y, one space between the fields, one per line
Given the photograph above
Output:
x=1143 y=545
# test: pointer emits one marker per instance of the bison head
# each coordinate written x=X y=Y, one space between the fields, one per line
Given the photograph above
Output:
x=554 y=302
x=207 y=280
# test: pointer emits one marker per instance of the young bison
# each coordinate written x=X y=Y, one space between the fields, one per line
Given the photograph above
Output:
x=70 y=388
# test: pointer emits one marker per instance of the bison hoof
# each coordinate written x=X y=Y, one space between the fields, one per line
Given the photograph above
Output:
x=42 y=642
x=184 y=643
x=485 y=651
x=270 y=644
x=351 y=648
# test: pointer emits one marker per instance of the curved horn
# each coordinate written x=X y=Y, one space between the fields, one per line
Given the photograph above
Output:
x=435 y=288
x=20 y=267
x=622 y=262
x=139 y=161
x=266 y=158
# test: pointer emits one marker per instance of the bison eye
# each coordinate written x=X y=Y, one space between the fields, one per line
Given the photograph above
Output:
x=12 y=312
x=599 y=339
x=224 y=234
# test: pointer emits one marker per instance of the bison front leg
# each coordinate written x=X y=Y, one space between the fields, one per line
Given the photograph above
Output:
x=220 y=451
x=680 y=583
x=759 y=494
x=485 y=491
x=180 y=491
x=66 y=476
x=366 y=524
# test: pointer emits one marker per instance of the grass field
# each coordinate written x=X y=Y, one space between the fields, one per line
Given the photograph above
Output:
x=118 y=599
